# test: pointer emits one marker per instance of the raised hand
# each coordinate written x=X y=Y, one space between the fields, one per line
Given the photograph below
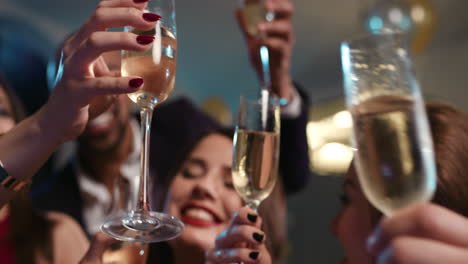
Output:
x=279 y=38
x=86 y=85
x=423 y=234
x=242 y=241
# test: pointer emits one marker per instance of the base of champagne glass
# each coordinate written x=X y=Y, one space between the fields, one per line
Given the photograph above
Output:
x=148 y=227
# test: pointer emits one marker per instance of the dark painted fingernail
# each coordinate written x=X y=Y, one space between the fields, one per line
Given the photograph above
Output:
x=258 y=237
x=135 y=83
x=145 y=40
x=254 y=255
x=252 y=218
x=150 y=17
x=140 y=1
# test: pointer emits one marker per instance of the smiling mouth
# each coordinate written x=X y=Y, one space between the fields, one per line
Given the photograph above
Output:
x=199 y=216
x=101 y=124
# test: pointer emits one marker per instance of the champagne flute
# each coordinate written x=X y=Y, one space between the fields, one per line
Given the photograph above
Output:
x=394 y=157
x=157 y=67
x=256 y=148
x=253 y=13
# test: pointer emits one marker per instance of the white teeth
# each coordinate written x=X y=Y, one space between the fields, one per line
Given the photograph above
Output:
x=101 y=120
x=200 y=214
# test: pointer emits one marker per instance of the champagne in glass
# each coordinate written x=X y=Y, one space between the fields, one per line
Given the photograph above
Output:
x=256 y=150
x=255 y=164
x=391 y=152
x=394 y=157
x=157 y=66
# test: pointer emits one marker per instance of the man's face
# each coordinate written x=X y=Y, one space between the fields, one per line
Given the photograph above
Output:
x=104 y=133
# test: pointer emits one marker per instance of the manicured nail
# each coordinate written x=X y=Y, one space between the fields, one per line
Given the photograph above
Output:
x=252 y=218
x=373 y=240
x=144 y=40
x=140 y=1
x=385 y=257
x=254 y=254
x=135 y=83
x=150 y=17
x=258 y=237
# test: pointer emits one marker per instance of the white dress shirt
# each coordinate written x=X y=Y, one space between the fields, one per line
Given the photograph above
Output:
x=97 y=201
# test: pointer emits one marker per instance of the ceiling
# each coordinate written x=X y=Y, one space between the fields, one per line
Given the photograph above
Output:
x=212 y=58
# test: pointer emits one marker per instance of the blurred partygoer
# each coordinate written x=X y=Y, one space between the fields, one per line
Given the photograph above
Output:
x=355 y=222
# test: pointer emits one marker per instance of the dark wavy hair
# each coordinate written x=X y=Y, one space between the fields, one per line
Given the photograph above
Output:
x=272 y=210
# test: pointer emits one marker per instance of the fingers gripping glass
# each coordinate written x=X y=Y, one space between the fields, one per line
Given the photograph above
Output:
x=157 y=67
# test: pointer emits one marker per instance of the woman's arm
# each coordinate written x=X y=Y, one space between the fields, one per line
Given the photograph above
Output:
x=86 y=87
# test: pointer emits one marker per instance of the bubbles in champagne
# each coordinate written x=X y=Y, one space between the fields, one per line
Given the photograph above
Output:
x=157 y=67
x=395 y=161
x=255 y=163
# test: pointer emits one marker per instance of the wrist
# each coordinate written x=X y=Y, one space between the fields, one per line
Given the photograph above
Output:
x=48 y=126
x=284 y=88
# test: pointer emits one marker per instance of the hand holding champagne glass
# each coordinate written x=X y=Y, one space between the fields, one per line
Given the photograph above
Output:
x=394 y=157
x=256 y=148
x=253 y=12
x=157 y=67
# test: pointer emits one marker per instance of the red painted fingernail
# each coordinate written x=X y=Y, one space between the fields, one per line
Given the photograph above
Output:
x=140 y=1
x=135 y=83
x=145 y=40
x=150 y=17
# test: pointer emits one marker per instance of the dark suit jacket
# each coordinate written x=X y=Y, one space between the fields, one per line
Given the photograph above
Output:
x=175 y=125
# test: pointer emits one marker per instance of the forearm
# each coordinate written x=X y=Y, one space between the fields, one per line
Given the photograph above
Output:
x=281 y=83
x=25 y=148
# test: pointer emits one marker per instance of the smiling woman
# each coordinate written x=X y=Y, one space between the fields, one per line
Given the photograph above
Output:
x=356 y=220
x=202 y=195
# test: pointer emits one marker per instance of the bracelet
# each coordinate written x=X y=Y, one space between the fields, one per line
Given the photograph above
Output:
x=11 y=183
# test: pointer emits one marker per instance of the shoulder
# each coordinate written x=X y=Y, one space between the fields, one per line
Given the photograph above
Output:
x=69 y=240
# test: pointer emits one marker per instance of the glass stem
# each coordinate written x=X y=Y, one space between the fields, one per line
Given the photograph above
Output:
x=142 y=205
x=253 y=205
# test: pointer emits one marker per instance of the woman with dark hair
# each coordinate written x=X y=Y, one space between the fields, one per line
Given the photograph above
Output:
x=200 y=192
x=355 y=222
x=27 y=236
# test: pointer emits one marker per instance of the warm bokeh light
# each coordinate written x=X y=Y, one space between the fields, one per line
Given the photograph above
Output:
x=343 y=119
x=328 y=139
